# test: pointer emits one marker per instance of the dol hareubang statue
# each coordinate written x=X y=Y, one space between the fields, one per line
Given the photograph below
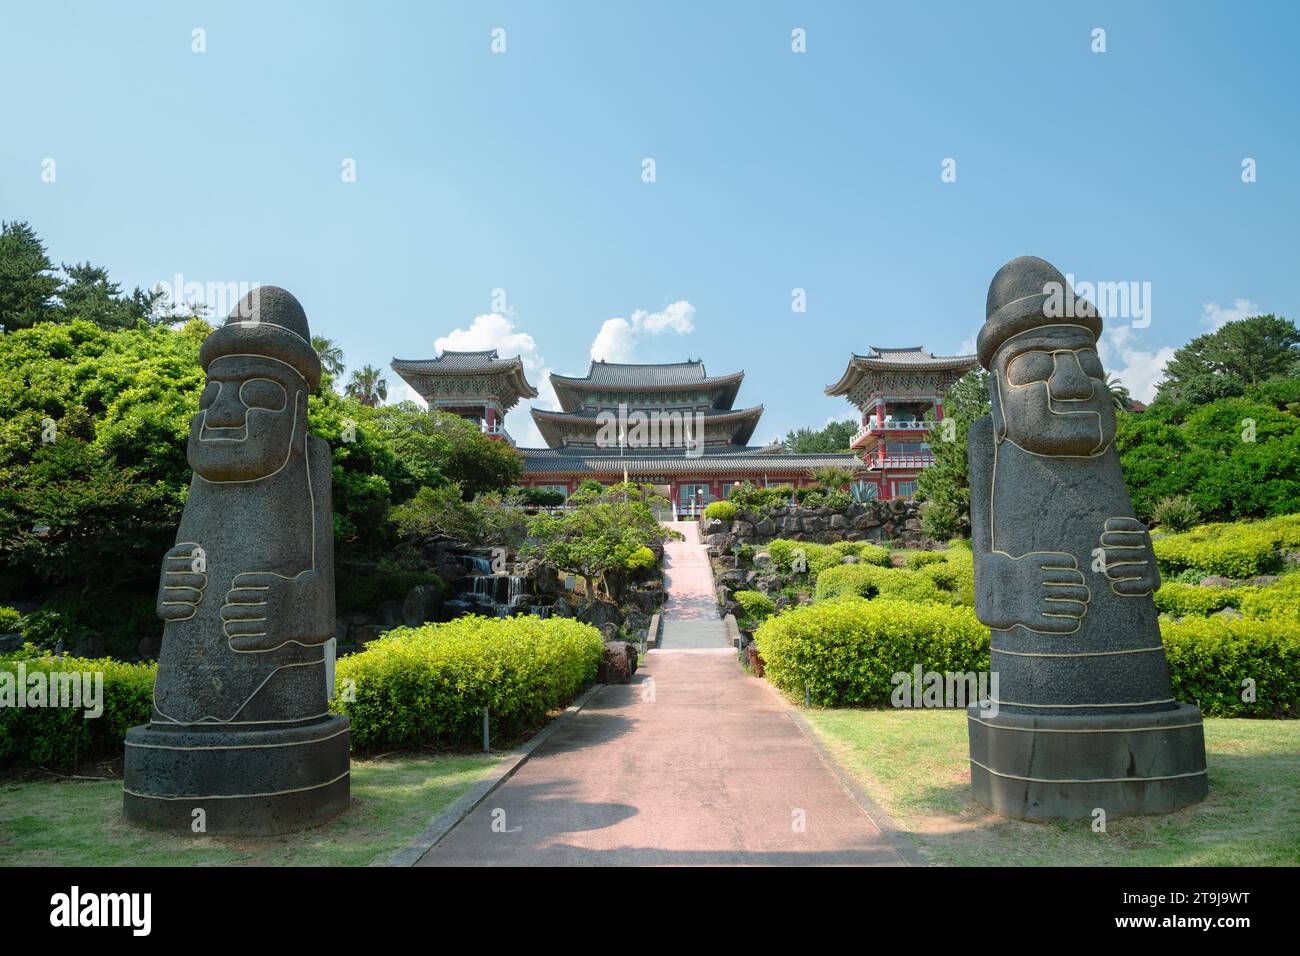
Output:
x=241 y=729
x=1064 y=577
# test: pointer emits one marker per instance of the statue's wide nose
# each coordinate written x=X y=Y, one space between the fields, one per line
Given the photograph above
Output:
x=1068 y=380
x=227 y=411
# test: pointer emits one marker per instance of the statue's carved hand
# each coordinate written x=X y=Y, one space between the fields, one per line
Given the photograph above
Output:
x=181 y=587
x=264 y=610
x=1043 y=591
x=1127 y=557
x=1062 y=594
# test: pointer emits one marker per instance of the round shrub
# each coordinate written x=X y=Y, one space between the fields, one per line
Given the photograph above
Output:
x=756 y=605
x=869 y=581
x=9 y=619
x=846 y=652
x=955 y=577
x=426 y=686
x=815 y=558
x=919 y=559
x=1212 y=658
x=59 y=738
x=721 y=510
x=1183 y=600
x=864 y=551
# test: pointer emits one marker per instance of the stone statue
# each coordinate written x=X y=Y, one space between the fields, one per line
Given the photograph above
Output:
x=1064 y=576
x=241 y=729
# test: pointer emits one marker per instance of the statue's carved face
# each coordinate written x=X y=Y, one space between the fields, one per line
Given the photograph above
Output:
x=252 y=419
x=1049 y=393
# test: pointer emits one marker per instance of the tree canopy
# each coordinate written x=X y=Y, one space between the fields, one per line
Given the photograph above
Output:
x=1224 y=363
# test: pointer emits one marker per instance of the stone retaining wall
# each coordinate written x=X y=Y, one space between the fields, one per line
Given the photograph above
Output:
x=894 y=520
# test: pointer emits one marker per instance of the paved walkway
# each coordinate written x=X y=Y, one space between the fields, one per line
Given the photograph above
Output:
x=690 y=615
x=693 y=763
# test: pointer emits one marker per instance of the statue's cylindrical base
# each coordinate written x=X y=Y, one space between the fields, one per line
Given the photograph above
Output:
x=247 y=783
x=1046 y=768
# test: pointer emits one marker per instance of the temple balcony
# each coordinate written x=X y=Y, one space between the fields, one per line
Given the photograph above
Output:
x=880 y=459
x=896 y=426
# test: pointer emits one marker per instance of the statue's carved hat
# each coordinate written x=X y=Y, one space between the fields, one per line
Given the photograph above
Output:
x=267 y=321
x=1018 y=296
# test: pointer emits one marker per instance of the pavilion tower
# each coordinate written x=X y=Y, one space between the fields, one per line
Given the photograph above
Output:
x=479 y=386
x=894 y=389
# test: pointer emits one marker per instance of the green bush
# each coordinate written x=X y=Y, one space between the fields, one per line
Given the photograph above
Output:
x=919 y=559
x=869 y=581
x=752 y=498
x=1239 y=550
x=1183 y=600
x=864 y=551
x=722 y=510
x=816 y=557
x=1175 y=513
x=955 y=576
x=9 y=619
x=427 y=686
x=846 y=652
x=61 y=738
x=755 y=605
x=1211 y=658
x=1280 y=600
x=540 y=497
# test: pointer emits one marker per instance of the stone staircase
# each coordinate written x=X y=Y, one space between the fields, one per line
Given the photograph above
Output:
x=690 y=614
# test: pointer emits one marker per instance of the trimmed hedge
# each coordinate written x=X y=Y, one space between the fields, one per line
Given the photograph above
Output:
x=426 y=686
x=1184 y=600
x=846 y=651
x=60 y=738
x=955 y=576
x=1278 y=600
x=1210 y=658
x=722 y=510
x=868 y=581
x=1235 y=550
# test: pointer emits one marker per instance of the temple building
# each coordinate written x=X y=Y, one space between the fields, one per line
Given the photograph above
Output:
x=894 y=389
x=672 y=426
x=479 y=386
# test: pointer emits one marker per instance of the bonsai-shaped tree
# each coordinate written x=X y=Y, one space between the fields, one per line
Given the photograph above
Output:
x=606 y=535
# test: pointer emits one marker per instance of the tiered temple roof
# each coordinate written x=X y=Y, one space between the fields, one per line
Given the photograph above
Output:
x=912 y=367
x=608 y=383
x=453 y=377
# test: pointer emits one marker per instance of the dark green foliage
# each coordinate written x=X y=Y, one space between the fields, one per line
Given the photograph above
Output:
x=835 y=437
x=1226 y=362
x=944 y=487
x=61 y=738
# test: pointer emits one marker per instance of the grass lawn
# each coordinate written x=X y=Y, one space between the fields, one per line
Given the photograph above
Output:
x=78 y=822
x=914 y=763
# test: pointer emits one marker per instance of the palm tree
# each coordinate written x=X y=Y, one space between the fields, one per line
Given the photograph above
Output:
x=368 y=386
x=331 y=356
x=1119 y=394
x=831 y=477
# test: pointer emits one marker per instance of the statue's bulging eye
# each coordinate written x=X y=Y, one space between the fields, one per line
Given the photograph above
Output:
x=262 y=393
x=1029 y=367
x=1091 y=365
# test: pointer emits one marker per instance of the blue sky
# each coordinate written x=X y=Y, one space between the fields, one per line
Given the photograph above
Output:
x=774 y=170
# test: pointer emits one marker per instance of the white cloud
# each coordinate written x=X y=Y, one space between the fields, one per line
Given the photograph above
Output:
x=615 y=342
x=967 y=346
x=617 y=339
x=492 y=330
x=1141 y=370
x=1215 y=316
